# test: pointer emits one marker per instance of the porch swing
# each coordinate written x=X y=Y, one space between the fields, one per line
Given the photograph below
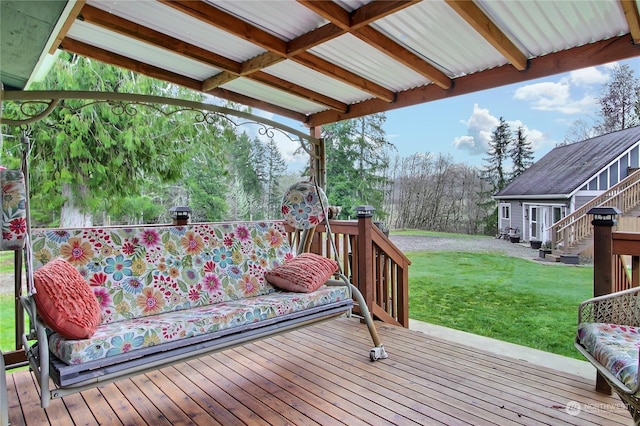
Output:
x=61 y=360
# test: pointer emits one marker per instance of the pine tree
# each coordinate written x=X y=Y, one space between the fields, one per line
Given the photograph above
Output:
x=357 y=162
x=495 y=171
x=276 y=166
x=521 y=153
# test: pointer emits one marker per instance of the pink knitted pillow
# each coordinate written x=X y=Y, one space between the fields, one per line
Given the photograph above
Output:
x=304 y=273
x=65 y=301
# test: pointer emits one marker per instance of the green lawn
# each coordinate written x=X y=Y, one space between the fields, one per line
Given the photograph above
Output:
x=7 y=319
x=510 y=299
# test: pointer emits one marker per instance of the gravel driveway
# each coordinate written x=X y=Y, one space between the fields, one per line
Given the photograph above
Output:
x=408 y=243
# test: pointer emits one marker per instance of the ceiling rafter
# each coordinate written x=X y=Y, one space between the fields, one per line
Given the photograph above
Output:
x=77 y=7
x=108 y=57
x=255 y=103
x=81 y=48
x=231 y=69
x=480 y=22
x=229 y=23
x=332 y=70
x=630 y=8
x=267 y=41
x=357 y=23
x=127 y=28
x=287 y=86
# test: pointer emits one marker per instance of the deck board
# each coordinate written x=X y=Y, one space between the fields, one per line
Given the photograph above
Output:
x=321 y=375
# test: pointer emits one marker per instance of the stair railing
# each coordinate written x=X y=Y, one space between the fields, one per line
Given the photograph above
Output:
x=576 y=227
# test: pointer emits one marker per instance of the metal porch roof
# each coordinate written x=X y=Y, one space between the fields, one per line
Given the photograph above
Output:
x=323 y=61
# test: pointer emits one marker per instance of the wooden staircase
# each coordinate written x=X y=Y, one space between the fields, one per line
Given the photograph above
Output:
x=572 y=234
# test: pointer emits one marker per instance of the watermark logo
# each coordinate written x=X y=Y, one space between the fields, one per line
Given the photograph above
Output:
x=573 y=408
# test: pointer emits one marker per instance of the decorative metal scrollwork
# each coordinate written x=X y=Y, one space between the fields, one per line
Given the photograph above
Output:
x=36 y=105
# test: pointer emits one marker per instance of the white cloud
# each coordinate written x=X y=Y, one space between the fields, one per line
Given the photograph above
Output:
x=555 y=97
x=479 y=127
x=588 y=76
x=575 y=93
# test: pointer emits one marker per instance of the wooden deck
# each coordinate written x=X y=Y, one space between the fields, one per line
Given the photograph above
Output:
x=322 y=375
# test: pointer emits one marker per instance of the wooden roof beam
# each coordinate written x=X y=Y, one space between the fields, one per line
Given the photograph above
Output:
x=389 y=47
x=229 y=23
x=108 y=57
x=475 y=17
x=346 y=76
x=630 y=8
x=127 y=28
x=105 y=56
x=75 y=11
x=231 y=69
x=295 y=89
x=269 y=42
x=601 y=52
x=357 y=24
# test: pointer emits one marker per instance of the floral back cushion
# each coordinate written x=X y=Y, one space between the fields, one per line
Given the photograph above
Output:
x=14 y=213
x=147 y=270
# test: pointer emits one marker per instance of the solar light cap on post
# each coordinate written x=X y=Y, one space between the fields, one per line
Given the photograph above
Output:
x=604 y=215
x=365 y=211
x=180 y=215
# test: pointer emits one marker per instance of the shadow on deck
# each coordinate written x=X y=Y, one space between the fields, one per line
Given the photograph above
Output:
x=322 y=375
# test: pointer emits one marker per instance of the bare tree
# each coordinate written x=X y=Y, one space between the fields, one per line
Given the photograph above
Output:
x=619 y=104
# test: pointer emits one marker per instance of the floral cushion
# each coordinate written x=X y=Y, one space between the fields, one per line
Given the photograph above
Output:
x=161 y=284
x=14 y=213
x=128 y=336
x=304 y=205
x=613 y=346
x=147 y=270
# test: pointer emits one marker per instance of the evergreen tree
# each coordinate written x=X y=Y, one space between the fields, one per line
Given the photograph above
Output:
x=246 y=165
x=495 y=171
x=521 y=153
x=84 y=156
x=357 y=162
x=275 y=168
x=495 y=174
x=237 y=201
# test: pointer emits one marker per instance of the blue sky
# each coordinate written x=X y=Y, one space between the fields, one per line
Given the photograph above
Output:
x=461 y=126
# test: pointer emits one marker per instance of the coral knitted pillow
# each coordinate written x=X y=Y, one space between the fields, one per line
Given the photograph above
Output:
x=303 y=274
x=65 y=300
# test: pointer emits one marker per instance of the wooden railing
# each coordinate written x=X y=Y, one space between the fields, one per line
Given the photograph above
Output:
x=625 y=244
x=576 y=227
x=373 y=264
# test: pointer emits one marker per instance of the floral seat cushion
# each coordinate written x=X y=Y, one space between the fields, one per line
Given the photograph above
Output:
x=615 y=347
x=115 y=338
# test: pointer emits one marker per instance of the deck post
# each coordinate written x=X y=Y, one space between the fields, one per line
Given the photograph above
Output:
x=365 y=255
x=603 y=222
